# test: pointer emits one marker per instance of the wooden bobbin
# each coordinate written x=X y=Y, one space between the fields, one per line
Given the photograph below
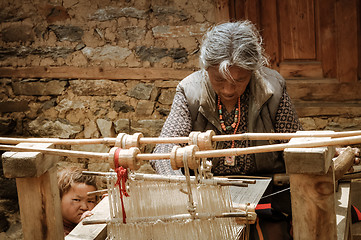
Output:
x=127 y=158
x=205 y=140
x=119 y=140
x=202 y=139
x=176 y=157
x=127 y=141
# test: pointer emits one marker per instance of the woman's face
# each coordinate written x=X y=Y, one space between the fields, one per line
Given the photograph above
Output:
x=228 y=90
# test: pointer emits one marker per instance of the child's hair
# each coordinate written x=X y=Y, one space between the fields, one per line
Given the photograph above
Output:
x=70 y=175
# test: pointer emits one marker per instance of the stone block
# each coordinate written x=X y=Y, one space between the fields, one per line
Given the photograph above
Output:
x=166 y=96
x=39 y=88
x=163 y=12
x=7 y=126
x=106 y=52
x=96 y=87
x=149 y=127
x=121 y=106
x=14 y=106
x=22 y=32
x=144 y=108
x=143 y=92
x=67 y=33
x=106 y=128
x=59 y=128
x=154 y=54
x=166 y=31
x=122 y=126
x=110 y=13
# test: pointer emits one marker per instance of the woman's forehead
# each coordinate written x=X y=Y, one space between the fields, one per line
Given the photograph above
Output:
x=234 y=71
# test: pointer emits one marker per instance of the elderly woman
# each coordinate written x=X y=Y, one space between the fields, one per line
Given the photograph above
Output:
x=235 y=93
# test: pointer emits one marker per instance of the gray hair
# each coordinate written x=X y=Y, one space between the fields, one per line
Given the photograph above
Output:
x=232 y=44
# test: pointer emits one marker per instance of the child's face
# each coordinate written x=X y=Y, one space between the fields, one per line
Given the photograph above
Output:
x=75 y=202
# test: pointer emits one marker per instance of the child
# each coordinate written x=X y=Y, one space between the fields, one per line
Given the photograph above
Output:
x=75 y=203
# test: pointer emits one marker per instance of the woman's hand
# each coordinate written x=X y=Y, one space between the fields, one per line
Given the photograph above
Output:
x=356 y=152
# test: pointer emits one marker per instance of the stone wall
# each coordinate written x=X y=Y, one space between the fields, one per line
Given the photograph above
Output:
x=98 y=33
x=84 y=33
x=91 y=33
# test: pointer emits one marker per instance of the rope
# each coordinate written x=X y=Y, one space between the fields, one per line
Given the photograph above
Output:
x=122 y=177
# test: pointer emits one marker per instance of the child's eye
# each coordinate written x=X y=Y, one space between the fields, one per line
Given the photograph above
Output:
x=76 y=199
x=91 y=201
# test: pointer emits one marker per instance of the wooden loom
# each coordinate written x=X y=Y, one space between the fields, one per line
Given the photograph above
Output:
x=39 y=173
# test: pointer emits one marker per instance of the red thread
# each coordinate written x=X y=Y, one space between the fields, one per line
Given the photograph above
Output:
x=357 y=212
x=122 y=177
x=263 y=206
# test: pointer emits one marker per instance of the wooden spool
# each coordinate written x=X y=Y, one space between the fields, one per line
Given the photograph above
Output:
x=127 y=158
x=202 y=139
x=177 y=154
x=127 y=141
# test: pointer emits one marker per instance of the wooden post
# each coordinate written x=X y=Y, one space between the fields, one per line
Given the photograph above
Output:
x=38 y=193
x=312 y=191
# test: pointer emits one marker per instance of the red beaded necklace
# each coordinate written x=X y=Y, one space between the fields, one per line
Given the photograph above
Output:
x=237 y=117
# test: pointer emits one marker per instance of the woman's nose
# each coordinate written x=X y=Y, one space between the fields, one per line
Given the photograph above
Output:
x=228 y=87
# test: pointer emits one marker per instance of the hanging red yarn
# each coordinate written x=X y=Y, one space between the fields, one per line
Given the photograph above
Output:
x=122 y=177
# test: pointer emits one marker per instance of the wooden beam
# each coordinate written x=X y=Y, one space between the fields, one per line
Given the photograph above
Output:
x=343 y=211
x=309 y=160
x=313 y=206
x=69 y=72
x=222 y=11
x=297 y=29
x=301 y=69
x=270 y=32
x=28 y=164
x=325 y=9
x=356 y=201
x=312 y=196
x=347 y=48
x=252 y=12
x=40 y=209
x=328 y=90
x=319 y=108
x=39 y=198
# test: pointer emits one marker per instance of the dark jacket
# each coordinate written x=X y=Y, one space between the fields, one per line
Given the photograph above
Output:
x=266 y=89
